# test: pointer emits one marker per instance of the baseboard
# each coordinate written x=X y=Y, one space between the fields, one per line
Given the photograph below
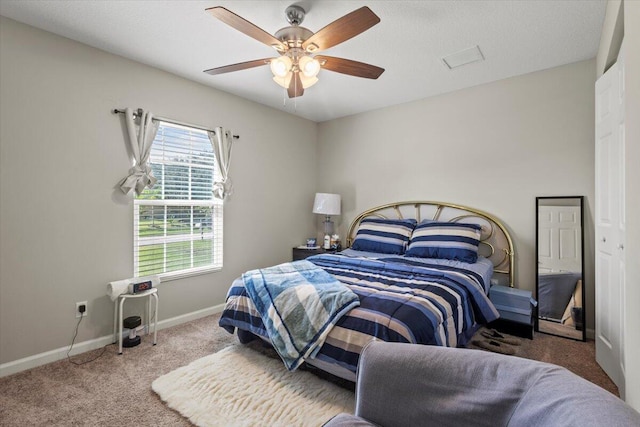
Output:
x=184 y=318
x=36 y=360
x=591 y=334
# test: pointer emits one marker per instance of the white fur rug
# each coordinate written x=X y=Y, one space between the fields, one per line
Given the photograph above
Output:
x=240 y=387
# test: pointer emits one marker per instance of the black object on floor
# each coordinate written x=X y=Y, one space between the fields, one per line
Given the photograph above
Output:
x=512 y=328
x=132 y=323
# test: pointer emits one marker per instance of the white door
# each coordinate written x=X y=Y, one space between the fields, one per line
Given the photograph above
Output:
x=609 y=222
x=559 y=239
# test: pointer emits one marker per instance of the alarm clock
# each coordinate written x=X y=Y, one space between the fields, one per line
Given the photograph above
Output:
x=142 y=286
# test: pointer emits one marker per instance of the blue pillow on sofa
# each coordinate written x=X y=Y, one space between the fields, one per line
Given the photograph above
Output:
x=387 y=236
x=445 y=240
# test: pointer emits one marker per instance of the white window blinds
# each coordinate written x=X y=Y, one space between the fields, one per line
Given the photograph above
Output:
x=178 y=222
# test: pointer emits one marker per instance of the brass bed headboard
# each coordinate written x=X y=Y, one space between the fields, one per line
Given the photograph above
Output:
x=495 y=244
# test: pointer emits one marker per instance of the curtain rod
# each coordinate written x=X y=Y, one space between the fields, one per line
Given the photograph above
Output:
x=175 y=122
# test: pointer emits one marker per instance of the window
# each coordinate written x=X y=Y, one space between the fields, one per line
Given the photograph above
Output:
x=178 y=223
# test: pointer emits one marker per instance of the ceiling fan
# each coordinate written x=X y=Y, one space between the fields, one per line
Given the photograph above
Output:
x=296 y=68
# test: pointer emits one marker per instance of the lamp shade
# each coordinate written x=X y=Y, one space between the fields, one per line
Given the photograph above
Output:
x=281 y=66
x=326 y=204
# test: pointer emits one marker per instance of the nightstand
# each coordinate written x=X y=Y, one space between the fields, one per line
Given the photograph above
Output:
x=516 y=310
x=302 y=253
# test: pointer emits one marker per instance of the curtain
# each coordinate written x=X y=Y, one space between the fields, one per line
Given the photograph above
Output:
x=140 y=139
x=222 y=141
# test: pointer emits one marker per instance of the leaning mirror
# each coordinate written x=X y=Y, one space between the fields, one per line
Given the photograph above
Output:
x=559 y=276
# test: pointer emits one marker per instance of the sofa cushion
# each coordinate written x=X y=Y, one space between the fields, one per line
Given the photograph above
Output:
x=560 y=398
x=406 y=384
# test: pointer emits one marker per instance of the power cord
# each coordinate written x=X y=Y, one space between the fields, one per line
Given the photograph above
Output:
x=75 y=334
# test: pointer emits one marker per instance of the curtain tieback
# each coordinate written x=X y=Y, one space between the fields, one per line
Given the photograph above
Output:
x=139 y=178
x=222 y=189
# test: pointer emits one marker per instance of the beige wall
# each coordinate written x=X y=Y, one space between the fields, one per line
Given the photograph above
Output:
x=65 y=232
x=494 y=147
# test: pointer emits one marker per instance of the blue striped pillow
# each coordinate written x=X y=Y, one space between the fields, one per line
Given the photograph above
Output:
x=445 y=240
x=387 y=236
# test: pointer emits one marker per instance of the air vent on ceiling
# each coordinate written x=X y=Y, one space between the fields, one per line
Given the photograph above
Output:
x=466 y=56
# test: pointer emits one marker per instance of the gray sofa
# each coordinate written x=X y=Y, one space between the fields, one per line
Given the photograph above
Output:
x=414 y=385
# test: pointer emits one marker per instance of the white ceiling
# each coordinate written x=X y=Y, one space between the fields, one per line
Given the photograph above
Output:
x=515 y=37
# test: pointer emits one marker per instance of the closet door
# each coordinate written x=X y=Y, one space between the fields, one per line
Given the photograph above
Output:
x=609 y=189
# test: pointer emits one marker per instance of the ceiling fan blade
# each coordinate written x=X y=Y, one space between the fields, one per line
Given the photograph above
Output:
x=245 y=27
x=350 y=67
x=238 y=67
x=295 y=86
x=342 y=29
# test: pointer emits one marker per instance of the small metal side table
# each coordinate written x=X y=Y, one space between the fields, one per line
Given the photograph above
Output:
x=118 y=315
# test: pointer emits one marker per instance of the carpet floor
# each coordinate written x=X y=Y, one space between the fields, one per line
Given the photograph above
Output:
x=116 y=390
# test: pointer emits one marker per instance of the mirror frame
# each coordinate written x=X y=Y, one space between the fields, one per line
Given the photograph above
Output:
x=584 y=323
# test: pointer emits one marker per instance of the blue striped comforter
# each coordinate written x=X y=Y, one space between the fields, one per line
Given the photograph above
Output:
x=400 y=301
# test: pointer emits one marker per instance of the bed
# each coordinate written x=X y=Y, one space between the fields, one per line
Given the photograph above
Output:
x=421 y=272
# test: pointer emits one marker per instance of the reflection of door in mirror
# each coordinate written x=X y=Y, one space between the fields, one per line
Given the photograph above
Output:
x=560 y=258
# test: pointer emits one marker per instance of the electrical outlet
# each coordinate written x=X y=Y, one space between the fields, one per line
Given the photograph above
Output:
x=78 y=306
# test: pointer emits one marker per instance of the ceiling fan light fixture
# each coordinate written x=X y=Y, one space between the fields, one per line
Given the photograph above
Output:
x=309 y=66
x=307 y=82
x=283 y=81
x=281 y=66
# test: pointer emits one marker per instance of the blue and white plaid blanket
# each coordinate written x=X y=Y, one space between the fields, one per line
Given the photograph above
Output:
x=299 y=303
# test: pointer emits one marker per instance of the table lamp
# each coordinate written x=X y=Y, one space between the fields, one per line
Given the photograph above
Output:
x=327 y=204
